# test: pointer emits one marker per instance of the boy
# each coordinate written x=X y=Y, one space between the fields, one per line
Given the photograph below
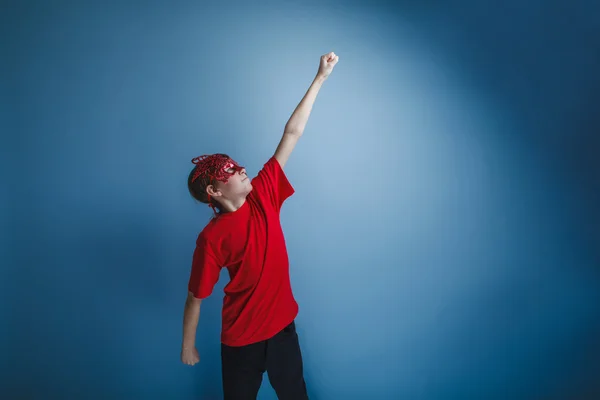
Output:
x=258 y=329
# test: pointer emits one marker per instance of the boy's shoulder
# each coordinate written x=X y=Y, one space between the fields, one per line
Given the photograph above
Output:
x=207 y=234
x=218 y=227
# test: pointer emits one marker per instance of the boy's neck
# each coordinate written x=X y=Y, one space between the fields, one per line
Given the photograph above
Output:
x=228 y=206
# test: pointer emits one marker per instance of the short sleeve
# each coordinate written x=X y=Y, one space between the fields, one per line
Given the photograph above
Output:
x=272 y=184
x=205 y=269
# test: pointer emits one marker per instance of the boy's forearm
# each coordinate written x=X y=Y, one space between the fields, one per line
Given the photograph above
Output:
x=299 y=118
x=191 y=315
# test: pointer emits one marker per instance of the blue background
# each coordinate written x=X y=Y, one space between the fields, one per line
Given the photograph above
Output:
x=443 y=236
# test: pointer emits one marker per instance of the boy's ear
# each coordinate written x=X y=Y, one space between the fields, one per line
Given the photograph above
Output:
x=210 y=189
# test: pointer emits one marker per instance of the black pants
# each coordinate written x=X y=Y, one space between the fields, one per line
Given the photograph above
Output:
x=243 y=367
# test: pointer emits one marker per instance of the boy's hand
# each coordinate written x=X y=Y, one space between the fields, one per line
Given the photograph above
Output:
x=328 y=61
x=190 y=356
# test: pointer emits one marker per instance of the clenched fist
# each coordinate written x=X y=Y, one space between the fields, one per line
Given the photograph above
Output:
x=190 y=356
x=328 y=61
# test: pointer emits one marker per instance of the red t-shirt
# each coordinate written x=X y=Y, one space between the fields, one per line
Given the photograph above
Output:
x=258 y=300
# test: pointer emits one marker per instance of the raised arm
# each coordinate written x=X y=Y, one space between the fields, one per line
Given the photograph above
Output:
x=297 y=122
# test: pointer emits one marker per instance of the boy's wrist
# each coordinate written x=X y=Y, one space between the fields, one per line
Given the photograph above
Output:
x=187 y=346
x=320 y=78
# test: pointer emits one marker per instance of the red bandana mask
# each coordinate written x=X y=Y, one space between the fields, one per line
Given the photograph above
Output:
x=215 y=166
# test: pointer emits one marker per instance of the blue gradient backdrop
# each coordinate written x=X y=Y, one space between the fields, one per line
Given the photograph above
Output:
x=444 y=234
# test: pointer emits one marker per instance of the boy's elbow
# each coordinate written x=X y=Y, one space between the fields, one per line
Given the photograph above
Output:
x=293 y=131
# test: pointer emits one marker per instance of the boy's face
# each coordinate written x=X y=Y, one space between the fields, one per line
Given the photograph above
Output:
x=238 y=183
x=230 y=179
